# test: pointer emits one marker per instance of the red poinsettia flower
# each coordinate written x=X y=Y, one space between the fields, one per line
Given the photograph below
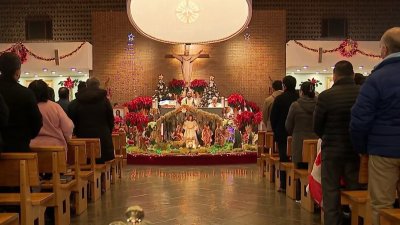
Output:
x=198 y=85
x=253 y=106
x=176 y=86
x=236 y=100
x=138 y=120
x=139 y=103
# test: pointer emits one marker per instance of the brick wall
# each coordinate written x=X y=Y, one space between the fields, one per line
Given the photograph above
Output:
x=367 y=19
x=238 y=65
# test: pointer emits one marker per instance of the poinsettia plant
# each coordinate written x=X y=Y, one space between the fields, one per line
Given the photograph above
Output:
x=198 y=85
x=313 y=81
x=176 y=86
x=248 y=118
x=139 y=103
x=236 y=100
x=69 y=83
x=253 y=106
x=138 y=120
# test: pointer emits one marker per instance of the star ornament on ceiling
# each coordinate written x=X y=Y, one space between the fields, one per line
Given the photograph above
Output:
x=188 y=11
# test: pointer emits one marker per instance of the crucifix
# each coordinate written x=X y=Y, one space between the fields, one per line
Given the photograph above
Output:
x=187 y=61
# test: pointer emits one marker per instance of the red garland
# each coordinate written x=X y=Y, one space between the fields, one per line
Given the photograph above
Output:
x=139 y=103
x=198 y=85
x=347 y=48
x=23 y=51
x=236 y=100
x=136 y=119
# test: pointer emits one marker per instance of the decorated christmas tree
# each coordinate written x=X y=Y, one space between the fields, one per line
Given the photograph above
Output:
x=209 y=92
x=161 y=93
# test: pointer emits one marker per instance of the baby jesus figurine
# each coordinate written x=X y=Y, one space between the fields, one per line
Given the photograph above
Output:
x=206 y=135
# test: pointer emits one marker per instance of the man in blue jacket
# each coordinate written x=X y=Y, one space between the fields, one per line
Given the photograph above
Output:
x=375 y=124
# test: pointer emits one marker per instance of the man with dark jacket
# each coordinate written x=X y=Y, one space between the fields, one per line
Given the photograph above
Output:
x=4 y=113
x=279 y=112
x=63 y=95
x=375 y=124
x=93 y=117
x=25 y=120
x=331 y=124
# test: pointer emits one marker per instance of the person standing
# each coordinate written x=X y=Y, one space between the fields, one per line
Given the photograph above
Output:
x=63 y=95
x=4 y=113
x=266 y=111
x=299 y=122
x=25 y=120
x=279 y=112
x=57 y=127
x=331 y=124
x=375 y=124
x=93 y=117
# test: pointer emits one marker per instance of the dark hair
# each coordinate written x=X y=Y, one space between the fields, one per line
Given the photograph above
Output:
x=343 y=69
x=52 y=95
x=359 y=79
x=308 y=89
x=40 y=89
x=93 y=82
x=277 y=85
x=9 y=64
x=81 y=85
x=290 y=83
x=63 y=93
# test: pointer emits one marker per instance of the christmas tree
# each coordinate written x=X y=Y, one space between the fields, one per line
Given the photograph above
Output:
x=161 y=93
x=209 y=92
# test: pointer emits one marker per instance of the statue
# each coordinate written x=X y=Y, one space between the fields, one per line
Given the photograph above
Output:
x=190 y=137
x=206 y=135
x=187 y=61
x=178 y=134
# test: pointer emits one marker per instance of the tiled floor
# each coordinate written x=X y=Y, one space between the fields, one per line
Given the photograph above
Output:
x=190 y=195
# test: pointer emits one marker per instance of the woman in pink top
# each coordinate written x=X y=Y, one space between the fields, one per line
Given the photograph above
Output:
x=57 y=127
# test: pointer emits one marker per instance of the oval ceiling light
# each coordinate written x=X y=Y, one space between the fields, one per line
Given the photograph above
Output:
x=189 y=21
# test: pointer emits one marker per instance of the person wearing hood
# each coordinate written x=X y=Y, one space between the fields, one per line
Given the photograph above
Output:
x=299 y=122
x=93 y=117
x=25 y=120
x=375 y=124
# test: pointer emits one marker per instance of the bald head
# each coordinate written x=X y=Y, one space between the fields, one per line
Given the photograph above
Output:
x=390 y=42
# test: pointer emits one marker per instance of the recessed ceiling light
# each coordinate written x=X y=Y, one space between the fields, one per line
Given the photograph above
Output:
x=305 y=67
x=26 y=73
x=298 y=70
x=325 y=70
x=60 y=75
x=360 y=67
x=80 y=72
x=73 y=69
x=53 y=72
x=332 y=67
x=36 y=76
x=44 y=69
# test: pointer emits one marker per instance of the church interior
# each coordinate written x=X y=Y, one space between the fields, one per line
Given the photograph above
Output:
x=172 y=111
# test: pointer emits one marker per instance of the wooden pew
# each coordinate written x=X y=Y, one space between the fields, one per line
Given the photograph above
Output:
x=260 y=147
x=119 y=158
x=99 y=179
x=390 y=216
x=9 y=219
x=359 y=200
x=289 y=168
x=269 y=163
x=308 y=155
x=77 y=156
x=21 y=170
x=53 y=159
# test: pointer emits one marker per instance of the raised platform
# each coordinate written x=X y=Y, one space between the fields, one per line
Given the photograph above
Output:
x=195 y=159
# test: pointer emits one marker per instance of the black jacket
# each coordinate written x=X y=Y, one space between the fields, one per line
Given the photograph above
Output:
x=332 y=116
x=4 y=113
x=279 y=112
x=25 y=119
x=93 y=117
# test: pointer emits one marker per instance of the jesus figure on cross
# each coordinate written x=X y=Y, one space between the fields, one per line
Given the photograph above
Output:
x=187 y=61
